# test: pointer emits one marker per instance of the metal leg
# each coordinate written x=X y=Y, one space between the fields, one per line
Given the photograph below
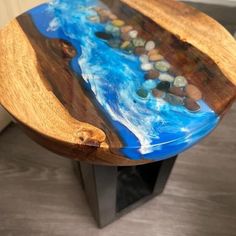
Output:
x=114 y=191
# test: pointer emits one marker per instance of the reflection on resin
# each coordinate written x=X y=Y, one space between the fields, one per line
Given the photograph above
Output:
x=155 y=110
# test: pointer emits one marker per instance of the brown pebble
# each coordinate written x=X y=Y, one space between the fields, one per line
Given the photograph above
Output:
x=193 y=92
x=112 y=17
x=156 y=57
x=157 y=93
x=139 y=50
x=125 y=29
x=153 y=52
x=177 y=91
x=191 y=105
x=152 y=74
x=125 y=36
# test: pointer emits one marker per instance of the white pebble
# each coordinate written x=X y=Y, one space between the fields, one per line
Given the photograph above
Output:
x=144 y=58
x=146 y=66
x=150 y=45
x=133 y=34
x=166 y=77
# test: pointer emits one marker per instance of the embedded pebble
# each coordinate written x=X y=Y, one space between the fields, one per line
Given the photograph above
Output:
x=162 y=66
x=180 y=82
x=193 y=92
x=150 y=45
x=143 y=93
x=138 y=42
x=163 y=86
x=103 y=35
x=177 y=91
x=191 y=105
x=125 y=36
x=111 y=29
x=152 y=74
x=139 y=50
x=149 y=84
x=133 y=34
x=103 y=15
x=174 y=100
x=112 y=17
x=146 y=66
x=118 y=23
x=144 y=58
x=125 y=44
x=114 y=43
x=153 y=51
x=156 y=57
x=158 y=93
x=166 y=77
x=125 y=29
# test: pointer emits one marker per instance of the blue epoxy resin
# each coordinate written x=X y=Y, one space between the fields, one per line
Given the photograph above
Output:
x=150 y=127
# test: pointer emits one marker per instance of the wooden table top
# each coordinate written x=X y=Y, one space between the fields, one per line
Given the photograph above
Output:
x=117 y=82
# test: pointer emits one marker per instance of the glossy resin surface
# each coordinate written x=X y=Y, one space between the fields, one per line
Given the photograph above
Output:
x=148 y=104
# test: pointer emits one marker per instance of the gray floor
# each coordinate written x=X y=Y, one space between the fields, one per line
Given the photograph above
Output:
x=40 y=195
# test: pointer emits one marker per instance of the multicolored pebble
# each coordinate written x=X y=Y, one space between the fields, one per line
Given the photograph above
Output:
x=163 y=86
x=146 y=66
x=115 y=31
x=174 y=100
x=143 y=93
x=152 y=74
x=180 y=82
x=133 y=34
x=149 y=84
x=166 y=77
x=156 y=57
x=112 y=17
x=138 y=42
x=125 y=44
x=126 y=28
x=177 y=91
x=144 y=58
x=193 y=92
x=153 y=52
x=118 y=23
x=162 y=66
x=150 y=45
x=94 y=19
x=114 y=43
x=191 y=105
x=158 y=93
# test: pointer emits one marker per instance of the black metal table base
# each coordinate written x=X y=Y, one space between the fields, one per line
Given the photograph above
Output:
x=114 y=191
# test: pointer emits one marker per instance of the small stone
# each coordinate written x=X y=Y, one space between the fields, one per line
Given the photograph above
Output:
x=125 y=29
x=149 y=84
x=153 y=51
x=191 y=105
x=139 y=50
x=114 y=43
x=162 y=66
x=158 y=93
x=177 y=91
x=103 y=35
x=103 y=15
x=166 y=77
x=144 y=58
x=138 y=42
x=118 y=23
x=143 y=93
x=150 y=45
x=111 y=29
x=180 y=82
x=163 y=86
x=174 y=100
x=152 y=74
x=146 y=66
x=156 y=57
x=133 y=34
x=125 y=45
x=193 y=92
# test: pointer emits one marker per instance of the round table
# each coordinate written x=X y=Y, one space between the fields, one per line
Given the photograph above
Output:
x=122 y=87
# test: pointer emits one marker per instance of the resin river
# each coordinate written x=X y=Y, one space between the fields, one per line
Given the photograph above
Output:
x=149 y=127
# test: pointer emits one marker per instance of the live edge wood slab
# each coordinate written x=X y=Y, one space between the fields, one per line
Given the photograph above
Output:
x=54 y=105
